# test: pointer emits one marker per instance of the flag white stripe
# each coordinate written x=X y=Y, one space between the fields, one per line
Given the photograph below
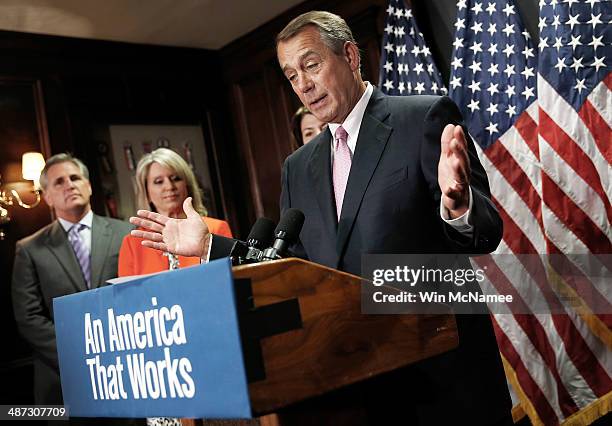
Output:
x=601 y=99
x=524 y=157
x=513 y=204
x=530 y=293
x=575 y=250
x=568 y=120
x=530 y=356
x=597 y=347
x=572 y=184
x=532 y=110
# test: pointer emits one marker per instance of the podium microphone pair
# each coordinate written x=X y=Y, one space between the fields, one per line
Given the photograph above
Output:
x=266 y=243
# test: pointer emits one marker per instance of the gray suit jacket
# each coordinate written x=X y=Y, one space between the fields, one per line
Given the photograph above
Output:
x=46 y=267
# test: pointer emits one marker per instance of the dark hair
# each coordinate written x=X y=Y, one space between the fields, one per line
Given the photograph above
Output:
x=296 y=127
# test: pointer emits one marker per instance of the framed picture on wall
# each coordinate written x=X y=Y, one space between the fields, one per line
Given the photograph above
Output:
x=130 y=142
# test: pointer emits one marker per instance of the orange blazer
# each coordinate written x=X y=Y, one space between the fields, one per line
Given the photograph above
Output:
x=135 y=259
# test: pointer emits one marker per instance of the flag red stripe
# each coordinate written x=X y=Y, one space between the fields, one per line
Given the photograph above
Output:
x=509 y=168
x=528 y=129
x=606 y=319
x=572 y=155
x=529 y=386
x=578 y=280
x=516 y=240
x=585 y=361
x=513 y=234
x=532 y=328
x=599 y=129
x=575 y=345
x=582 y=286
x=574 y=218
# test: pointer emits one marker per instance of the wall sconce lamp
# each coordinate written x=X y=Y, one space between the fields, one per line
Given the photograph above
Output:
x=32 y=164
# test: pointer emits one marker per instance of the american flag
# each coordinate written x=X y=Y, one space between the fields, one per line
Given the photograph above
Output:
x=407 y=65
x=542 y=122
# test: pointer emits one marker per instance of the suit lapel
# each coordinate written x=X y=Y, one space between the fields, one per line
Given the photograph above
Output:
x=373 y=137
x=320 y=172
x=101 y=235
x=60 y=247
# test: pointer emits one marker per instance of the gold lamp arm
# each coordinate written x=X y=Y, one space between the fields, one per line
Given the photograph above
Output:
x=5 y=199
x=24 y=205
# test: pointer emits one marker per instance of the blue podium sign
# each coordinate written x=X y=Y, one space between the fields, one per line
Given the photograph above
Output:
x=161 y=345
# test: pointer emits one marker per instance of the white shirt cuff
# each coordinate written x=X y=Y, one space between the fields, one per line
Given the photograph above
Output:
x=206 y=257
x=461 y=223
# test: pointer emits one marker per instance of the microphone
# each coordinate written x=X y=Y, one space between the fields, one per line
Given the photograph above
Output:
x=260 y=237
x=262 y=234
x=286 y=233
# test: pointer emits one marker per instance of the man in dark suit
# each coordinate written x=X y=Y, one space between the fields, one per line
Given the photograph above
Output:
x=74 y=253
x=389 y=175
x=409 y=181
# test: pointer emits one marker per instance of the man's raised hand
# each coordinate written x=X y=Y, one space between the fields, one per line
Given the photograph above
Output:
x=454 y=171
x=185 y=237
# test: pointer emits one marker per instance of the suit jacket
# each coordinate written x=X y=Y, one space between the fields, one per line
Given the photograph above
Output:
x=392 y=198
x=135 y=259
x=46 y=267
x=392 y=205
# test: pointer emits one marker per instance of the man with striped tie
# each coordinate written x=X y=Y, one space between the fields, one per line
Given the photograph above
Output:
x=76 y=252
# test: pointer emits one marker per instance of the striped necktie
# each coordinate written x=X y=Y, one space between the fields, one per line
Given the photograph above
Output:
x=80 y=250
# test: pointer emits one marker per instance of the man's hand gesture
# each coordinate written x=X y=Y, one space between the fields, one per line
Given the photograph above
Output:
x=185 y=237
x=454 y=171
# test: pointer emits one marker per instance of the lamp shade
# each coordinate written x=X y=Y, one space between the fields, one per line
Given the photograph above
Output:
x=32 y=164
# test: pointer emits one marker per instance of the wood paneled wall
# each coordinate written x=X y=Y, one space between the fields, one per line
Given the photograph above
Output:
x=62 y=91
x=23 y=128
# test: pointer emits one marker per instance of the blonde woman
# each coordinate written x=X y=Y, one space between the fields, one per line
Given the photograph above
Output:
x=163 y=181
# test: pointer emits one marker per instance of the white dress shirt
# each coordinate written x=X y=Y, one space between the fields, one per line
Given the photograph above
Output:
x=352 y=125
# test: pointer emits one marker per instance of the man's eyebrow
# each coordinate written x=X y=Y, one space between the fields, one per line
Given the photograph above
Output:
x=301 y=58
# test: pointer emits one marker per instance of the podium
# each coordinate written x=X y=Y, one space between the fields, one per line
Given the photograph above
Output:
x=303 y=334
x=185 y=343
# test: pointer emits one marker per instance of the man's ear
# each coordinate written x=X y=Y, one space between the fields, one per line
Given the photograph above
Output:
x=351 y=53
x=90 y=190
x=47 y=198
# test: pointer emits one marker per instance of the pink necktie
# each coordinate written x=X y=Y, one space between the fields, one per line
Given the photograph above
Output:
x=341 y=167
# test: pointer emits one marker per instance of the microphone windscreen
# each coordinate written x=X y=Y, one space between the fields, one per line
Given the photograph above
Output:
x=262 y=233
x=291 y=224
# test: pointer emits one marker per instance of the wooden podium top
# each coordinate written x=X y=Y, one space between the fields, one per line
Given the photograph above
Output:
x=333 y=343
